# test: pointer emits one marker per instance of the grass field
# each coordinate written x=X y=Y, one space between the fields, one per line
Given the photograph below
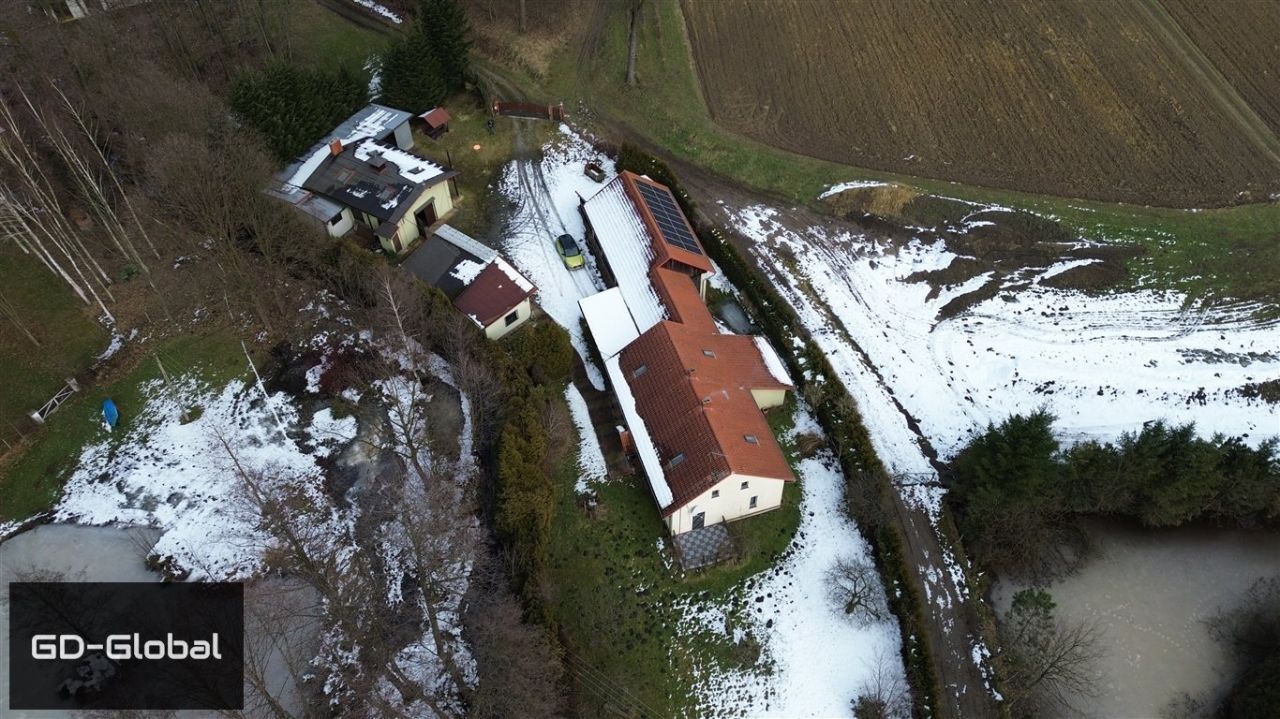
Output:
x=34 y=480
x=1074 y=99
x=327 y=41
x=69 y=338
x=617 y=603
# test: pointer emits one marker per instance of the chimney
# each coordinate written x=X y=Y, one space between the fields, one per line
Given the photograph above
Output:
x=335 y=147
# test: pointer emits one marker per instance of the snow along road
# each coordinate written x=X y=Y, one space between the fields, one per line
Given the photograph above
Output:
x=543 y=187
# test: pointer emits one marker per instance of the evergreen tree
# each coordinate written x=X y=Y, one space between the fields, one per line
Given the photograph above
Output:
x=445 y=24
x=294 y=108
x=411 y=75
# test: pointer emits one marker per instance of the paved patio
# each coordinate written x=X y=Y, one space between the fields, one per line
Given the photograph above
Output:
x=704 y=547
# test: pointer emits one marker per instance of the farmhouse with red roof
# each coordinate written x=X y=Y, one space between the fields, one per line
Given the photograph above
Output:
x=693 y=396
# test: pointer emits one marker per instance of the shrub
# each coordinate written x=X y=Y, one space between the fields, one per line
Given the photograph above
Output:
x=544 y=351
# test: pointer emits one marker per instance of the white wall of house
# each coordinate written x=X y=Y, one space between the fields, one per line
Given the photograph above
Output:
x=728 y=500
x=506 y=324
x=408 y=225
x=346 y=220
x=767 y=398
x=404 y=136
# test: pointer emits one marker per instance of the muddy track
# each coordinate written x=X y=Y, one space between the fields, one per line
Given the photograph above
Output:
x=359 y=16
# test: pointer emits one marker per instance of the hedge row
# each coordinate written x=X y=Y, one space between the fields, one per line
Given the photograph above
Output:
x=837 y=413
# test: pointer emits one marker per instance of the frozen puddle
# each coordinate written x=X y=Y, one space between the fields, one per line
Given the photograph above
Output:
x=1150 y=592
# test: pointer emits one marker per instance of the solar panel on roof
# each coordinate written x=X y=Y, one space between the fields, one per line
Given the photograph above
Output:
x=667 y=214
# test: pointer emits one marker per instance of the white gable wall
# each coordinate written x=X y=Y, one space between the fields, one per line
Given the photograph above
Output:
x=733 y=502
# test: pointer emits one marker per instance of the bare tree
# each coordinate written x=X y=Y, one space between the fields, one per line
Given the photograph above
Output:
x=519 y=669
x=884 y=693
x=1047 y=662
x=854 y=587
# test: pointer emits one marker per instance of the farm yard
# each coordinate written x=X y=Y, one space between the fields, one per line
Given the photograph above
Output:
x=1087 y=100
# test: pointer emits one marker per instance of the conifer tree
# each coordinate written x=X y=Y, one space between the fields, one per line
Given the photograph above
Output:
x=445 y=24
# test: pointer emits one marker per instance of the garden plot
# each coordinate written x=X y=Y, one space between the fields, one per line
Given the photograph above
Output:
x=545 y=194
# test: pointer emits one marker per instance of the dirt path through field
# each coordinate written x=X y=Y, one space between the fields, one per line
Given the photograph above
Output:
x=1224 y=93
x=953 y=618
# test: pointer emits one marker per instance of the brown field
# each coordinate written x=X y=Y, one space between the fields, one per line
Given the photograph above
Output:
x=1242 y=39
x=1076 y=98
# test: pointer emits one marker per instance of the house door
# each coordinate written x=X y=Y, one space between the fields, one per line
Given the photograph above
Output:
x=699 y=519
x=426 y=217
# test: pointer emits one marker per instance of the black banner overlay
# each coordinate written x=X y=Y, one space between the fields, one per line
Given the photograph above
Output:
x=112 y=645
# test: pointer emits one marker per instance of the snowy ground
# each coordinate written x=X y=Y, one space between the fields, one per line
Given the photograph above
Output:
x=591 y=464
x=814 y=659
x=179 y=477
x=1103 y=365
x=545 y=195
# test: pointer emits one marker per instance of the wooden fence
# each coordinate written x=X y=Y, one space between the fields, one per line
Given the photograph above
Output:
x=529 y=109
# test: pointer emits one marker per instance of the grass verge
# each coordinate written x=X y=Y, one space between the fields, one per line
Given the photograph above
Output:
x=617 y=599
x=32 y=482
x=69 y=338
x=325 y=40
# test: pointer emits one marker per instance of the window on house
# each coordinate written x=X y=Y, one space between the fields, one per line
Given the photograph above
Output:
x=751 y=439
x=753 y=502
x=676 y=460
x=513 y=317
x=639 y=371
x=745 y=484
x=715 y=493
x=709 y=353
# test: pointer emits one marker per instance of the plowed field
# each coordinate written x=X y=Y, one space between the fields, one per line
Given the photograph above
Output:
x=1118 y=100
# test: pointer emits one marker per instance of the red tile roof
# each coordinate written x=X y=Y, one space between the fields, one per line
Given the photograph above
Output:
x=664 y=251
x=491 y=295
x=682 y=299
x=695 y=396
x=436 y=117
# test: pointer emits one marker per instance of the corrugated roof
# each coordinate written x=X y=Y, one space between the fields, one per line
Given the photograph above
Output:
x=466 y=243
x=624 y=239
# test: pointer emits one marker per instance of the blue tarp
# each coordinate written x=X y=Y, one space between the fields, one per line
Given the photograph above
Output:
x=109 y=412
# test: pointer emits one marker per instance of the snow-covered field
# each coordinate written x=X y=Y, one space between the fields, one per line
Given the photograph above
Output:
x=180 y=477
x=545 y=197
x=815 y=660
x=1103 y=365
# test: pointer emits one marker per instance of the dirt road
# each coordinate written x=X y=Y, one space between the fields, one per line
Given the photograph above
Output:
x=1223 y=92
x=953 y=617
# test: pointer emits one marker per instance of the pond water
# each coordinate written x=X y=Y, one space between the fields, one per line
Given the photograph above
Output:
x=280 y=613
x=1150 y=593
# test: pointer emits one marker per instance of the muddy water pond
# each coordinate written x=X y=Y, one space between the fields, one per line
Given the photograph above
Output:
x=277 y=610
x=1151 y=592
